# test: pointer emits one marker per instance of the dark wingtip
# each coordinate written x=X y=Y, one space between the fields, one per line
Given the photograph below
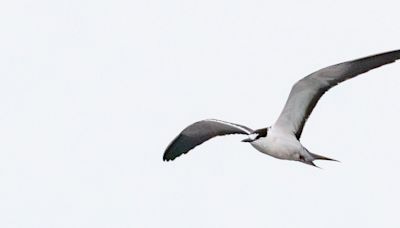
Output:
x=175 y=149
x=167 y=159
x=168 y=156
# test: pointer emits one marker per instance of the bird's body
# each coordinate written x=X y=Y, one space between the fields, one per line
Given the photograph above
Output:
x=279 y=145
x=281 y=140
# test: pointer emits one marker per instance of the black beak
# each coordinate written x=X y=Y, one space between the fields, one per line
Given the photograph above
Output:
x=247 y=140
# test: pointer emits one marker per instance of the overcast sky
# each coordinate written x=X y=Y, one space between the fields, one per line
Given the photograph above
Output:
x=92 y=92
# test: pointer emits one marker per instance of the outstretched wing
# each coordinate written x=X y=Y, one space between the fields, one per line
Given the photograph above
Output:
x=305 y=93
x=200 y=132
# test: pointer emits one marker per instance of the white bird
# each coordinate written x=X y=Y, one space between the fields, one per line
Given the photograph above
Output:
x=281 y=140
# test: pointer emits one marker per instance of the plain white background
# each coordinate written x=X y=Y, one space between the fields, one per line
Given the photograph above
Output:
x=91 y=93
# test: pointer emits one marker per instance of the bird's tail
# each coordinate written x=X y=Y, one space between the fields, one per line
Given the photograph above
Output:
x=320 y=157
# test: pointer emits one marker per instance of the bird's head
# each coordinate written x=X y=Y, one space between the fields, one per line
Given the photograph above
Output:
x=260 y=133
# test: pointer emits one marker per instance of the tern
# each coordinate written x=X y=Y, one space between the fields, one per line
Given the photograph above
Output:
x=281 y=140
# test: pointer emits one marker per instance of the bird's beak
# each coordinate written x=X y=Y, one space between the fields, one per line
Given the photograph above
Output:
x=251 y=138
x=248 y=140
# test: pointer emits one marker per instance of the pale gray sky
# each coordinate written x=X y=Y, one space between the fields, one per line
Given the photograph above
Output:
x=93 y=91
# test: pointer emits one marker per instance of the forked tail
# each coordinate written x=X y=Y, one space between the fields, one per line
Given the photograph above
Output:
x=320 y=157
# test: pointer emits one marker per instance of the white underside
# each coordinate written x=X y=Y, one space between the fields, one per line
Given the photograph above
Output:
x=279 y=145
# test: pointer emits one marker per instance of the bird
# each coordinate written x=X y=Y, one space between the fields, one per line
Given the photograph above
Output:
x=282 y=139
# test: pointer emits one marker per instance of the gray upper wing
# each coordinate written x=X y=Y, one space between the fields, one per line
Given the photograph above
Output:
x=200 y=132
x=305 y=93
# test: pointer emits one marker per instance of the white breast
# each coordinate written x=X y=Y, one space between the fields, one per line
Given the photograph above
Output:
x=278 y=145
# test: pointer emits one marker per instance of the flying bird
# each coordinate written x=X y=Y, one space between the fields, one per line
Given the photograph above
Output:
x=281 y=140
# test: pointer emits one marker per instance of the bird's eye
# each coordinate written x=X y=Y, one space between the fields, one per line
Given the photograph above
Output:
x=301 y=158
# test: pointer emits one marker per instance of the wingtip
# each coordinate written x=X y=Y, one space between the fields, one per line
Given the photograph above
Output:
x=165 y=159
